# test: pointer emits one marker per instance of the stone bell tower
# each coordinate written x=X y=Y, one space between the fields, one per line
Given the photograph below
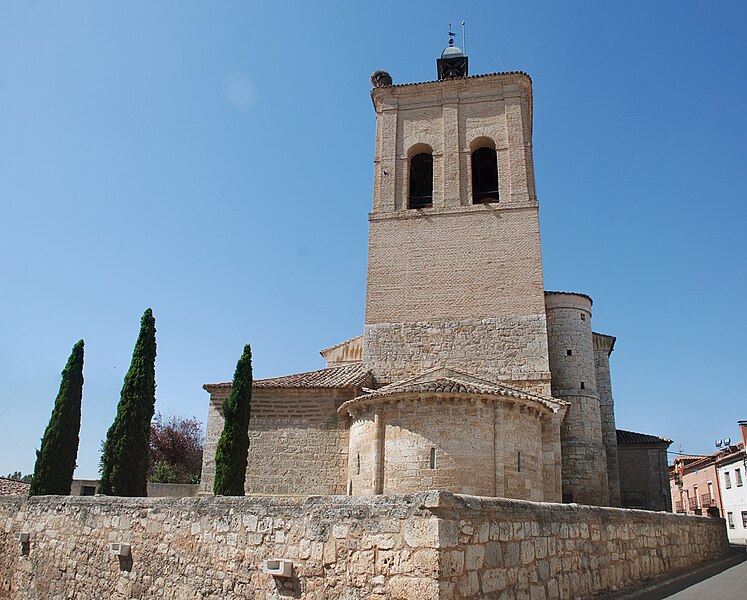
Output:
x=454 y=260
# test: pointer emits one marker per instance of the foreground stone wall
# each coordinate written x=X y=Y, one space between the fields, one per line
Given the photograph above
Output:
x=496 y=548
x=423 y=546
x=214 y=547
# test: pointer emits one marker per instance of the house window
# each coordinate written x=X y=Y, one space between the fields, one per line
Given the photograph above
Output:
x=583 y=317
x=433 y=458
x=697 y=498
x=730 y=520
x=744 y=519
x=569 y=352
x=518 y=461
x=738 y=476
x=484 y=176
x=583 y=385
x=88 y=490
x=421 y=181
x=727 y=480
x=359 y=464
x=710 y=490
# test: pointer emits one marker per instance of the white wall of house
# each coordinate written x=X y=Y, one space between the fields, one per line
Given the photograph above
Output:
x=732 y=478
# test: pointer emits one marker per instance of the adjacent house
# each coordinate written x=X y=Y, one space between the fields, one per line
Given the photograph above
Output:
x=714 y=484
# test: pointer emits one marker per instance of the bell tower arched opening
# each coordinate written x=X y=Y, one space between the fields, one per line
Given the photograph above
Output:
x=484 y=164
x=421 y=180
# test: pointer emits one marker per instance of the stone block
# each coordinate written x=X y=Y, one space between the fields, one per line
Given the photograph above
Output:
x=492 y=580
x=474 y=556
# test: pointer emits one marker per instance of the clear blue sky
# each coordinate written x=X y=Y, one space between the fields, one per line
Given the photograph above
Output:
x=214 y=161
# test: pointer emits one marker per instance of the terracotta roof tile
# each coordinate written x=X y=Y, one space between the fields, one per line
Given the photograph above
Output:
x=548 y=292
x=444 y=380
x=631 y=437
x=479 y=76
x=11 y=487
x=343 y=376
x=453 y=386
x=340 y=345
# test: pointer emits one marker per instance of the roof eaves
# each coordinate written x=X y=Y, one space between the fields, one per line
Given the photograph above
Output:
x=479 y=76
x=357 y=377
x=547 y=292
x=352 y=339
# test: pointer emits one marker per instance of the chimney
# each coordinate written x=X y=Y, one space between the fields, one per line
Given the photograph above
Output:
x=743 y=433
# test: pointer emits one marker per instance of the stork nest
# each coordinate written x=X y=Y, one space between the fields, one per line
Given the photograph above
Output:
x=381 y=79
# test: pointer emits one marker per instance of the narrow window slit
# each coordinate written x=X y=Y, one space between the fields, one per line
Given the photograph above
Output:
x=433 y=458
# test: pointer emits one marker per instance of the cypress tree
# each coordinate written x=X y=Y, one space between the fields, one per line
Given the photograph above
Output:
x=233 y=445
x=124 y=461
x=55 y=460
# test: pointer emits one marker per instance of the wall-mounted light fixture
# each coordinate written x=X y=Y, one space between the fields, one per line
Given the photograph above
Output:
x=119 y=549
x=278 y=567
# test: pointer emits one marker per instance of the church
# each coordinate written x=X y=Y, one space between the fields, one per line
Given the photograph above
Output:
x=469 y=376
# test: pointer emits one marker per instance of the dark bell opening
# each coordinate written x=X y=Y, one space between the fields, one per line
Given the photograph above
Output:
x=421 y=181
x=484 y=176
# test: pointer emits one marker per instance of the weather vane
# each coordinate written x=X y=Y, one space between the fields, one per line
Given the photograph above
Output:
x=452 y=34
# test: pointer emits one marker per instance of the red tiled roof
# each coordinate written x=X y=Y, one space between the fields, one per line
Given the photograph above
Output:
x=12 y=487
x=340 y=344
x=632 y=437
x=445 y=380
x=548 y=292
x=343 y=376
x=451 y=385
x=479 y=76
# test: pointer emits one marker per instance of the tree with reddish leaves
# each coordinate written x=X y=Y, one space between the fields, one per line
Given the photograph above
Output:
x=175 y=450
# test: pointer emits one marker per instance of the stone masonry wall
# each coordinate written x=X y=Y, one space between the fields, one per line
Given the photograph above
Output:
x=501 y=448
x=644 y=481
x=298 y=444
x=478 y=261
x=602 y=349
x=427 y=546
x=213 y=548
x=456 y=284
x=497 y=548
x=573 y=369
x=511 y=350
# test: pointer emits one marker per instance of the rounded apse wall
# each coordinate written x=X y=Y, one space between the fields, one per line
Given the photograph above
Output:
x=462 y=445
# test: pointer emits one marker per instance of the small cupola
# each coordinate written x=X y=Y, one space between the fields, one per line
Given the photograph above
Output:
x=453 y=62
